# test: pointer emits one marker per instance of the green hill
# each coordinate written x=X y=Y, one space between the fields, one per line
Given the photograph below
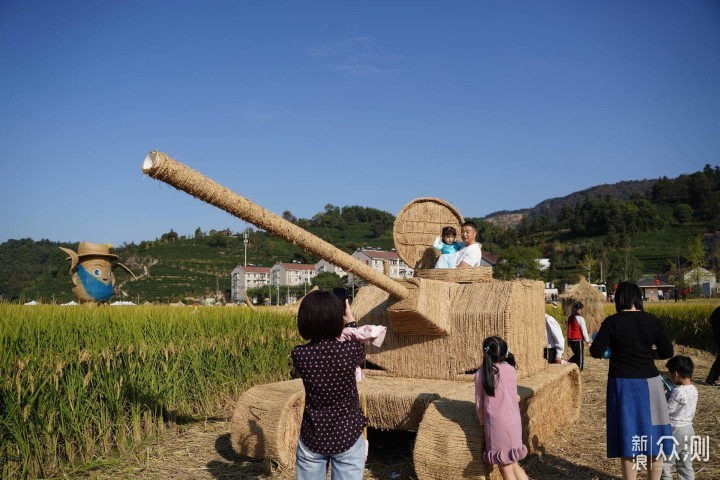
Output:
x=173 y=267
x=611 y=237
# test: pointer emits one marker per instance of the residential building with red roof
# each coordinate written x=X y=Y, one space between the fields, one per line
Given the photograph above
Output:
x=244 y=277
x=291 y=274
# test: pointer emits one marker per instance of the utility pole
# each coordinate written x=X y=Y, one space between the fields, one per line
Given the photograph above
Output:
x=246 y=239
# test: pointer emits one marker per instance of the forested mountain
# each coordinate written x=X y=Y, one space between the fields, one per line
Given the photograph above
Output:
x=608 y=233
x=552 y=207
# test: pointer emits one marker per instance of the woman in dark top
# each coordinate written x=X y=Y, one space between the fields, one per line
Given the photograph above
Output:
x=637 y=413
x=714 y=372
x=332 y=424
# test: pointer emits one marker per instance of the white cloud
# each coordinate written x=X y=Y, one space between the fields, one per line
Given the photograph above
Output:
x=361 y=69
x=355 y=56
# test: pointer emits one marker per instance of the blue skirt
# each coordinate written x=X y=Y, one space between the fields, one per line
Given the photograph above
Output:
x=638 y=422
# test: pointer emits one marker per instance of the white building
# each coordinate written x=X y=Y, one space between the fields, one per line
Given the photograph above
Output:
x=704 y=277
x=377 y=258
x=543 y=264
x=243 y=278
x=325 y=266
x=291 y=274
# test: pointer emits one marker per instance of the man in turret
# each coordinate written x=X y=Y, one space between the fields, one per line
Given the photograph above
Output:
x=471 y=254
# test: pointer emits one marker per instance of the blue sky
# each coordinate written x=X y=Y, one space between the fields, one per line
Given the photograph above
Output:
x=294 y=105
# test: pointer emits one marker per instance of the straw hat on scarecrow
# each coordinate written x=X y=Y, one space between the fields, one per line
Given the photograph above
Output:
x=591 y=298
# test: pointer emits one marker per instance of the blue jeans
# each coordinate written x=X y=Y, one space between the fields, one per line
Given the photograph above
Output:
x=347 y=465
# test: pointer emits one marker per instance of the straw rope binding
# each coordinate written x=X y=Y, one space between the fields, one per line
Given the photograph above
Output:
x=459 y=275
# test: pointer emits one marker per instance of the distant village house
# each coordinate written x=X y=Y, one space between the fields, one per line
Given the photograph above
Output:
x=376 y=259
x=702 y=277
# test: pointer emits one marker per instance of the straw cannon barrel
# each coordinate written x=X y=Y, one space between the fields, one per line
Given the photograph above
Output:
x=161 y=167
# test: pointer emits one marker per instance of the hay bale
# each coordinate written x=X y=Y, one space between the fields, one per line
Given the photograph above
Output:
x=459 y=275
x=395 y=403
x=594 y=301
x=450 y=440
x=549 y=400
x=266 y=422
x=513 y=310
x=416 y=227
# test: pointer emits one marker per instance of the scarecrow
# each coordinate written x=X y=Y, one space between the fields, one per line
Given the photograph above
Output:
x=92 y=271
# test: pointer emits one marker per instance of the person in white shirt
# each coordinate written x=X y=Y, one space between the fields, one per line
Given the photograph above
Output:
x=471 y=253
x=555 y=340
x=681 y=406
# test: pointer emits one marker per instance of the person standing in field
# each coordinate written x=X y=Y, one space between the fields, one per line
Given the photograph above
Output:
x=332 y=424
x=471 y=253
x=682 y=403
x=636 y=407
x=577 y=335
x=714 y=372
x=497 y=407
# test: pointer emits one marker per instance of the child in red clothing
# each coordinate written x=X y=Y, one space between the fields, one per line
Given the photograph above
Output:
x=496 y=403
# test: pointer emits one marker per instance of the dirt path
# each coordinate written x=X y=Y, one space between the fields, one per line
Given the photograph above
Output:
x=202 y=450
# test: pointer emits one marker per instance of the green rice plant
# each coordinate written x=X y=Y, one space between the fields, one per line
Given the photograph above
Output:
x=687 y=323
x=77 y=383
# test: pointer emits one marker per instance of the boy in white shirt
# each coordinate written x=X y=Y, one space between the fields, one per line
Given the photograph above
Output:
x=681 y=406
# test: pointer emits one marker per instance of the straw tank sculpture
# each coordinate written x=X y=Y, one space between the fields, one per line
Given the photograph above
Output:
x=436 y=323
x=92 y=268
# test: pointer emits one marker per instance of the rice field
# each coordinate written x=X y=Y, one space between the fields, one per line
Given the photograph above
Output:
x=79 y=383
x=685 y=322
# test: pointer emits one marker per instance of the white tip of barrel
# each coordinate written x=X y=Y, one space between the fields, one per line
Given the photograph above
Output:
x=149 y=162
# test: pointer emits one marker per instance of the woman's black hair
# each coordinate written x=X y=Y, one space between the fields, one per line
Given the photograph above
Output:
x=320 y=316
x=449 y=231
x=577 y=306
x=495 y=350
x=628 y=295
